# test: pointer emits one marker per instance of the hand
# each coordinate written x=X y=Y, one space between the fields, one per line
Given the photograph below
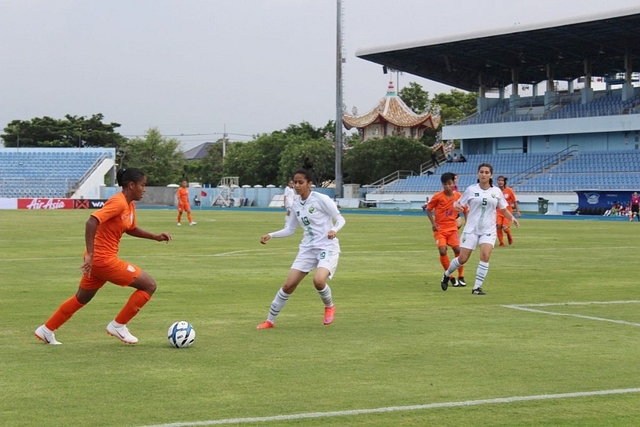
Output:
x=331 y=234
x=457 y=206
x=85 y=268
x=264 y=239
x=516 y=222
x=164 y=237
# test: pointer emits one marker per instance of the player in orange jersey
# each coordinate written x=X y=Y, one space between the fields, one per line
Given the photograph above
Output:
x=103 y=232
x=183 y=203
x=444 y=225
x=502 y=222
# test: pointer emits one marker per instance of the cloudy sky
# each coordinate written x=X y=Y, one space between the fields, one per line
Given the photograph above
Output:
x=195 y=68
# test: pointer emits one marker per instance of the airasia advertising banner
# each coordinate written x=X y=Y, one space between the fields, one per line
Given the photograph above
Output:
x=60 y=204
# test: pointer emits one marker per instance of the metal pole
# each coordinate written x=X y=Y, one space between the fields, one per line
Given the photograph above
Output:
x=338 y=133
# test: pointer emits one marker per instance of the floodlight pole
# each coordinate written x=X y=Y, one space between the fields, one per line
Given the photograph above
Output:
x=338 y=132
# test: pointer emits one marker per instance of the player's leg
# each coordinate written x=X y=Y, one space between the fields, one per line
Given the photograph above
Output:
x=460 y=281
x=441 y=241
x=282 y=296
x=486 y=246
x=466 y=248
x=179 y=215
x=189 y=217
x=124 y=274
x=499 y=227
x=68 y=308
x=507 y=230
x=327 y=265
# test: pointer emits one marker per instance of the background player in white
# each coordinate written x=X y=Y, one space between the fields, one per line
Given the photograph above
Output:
x=321 y=220
x=482 y=199
x=289 y=195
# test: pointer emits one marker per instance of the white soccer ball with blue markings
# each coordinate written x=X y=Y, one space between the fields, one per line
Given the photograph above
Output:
x=181 y=334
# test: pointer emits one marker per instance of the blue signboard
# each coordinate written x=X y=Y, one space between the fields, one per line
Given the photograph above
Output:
x=602 y=199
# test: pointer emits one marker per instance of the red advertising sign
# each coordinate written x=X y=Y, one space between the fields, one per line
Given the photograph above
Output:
x=45 y=204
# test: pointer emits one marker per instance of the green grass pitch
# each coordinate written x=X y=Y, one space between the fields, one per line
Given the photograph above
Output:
x=398 y=340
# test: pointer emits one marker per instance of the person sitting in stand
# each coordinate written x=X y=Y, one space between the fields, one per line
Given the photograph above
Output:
x=196 y=200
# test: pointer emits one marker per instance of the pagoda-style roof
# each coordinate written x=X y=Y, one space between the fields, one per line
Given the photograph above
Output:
x=391 y=109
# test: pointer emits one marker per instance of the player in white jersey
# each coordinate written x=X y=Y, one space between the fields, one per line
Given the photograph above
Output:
x=289 y=195
x=321 y=220
x=482 y=199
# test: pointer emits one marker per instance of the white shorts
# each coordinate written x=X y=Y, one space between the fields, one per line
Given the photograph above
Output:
x=471 y=241
x=308 y=259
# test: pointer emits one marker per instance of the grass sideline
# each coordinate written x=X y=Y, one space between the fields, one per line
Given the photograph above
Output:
x=398 y=340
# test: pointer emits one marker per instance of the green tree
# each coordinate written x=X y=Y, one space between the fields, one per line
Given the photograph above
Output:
x=158 y=157
x=73 y=131
x=370 y=161
x=256 y=162
x=415 y=97
x=211 y=165
x=320 y=152
x=456 y=105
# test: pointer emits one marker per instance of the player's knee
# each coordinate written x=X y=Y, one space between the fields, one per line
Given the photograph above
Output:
x=145 y=283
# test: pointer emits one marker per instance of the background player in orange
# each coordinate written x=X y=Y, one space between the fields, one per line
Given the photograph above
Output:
x=103 y=232
x=444 y=225
x=183 y=203
x=502 y=222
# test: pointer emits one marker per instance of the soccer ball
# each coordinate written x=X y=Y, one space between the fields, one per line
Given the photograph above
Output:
x=181 y=334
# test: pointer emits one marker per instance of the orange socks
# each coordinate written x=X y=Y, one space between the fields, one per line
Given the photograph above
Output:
x=189 y=217
x=500 y=236
x=63 y=313
x=444 y=260
x=137 y=300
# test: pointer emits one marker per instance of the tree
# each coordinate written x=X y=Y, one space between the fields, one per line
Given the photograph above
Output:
x=415 y=98
x=158 y=157
x=456 y=105
x=256 y=162
x=73 y=131
x=211 y=169
x=320 y=152
x=370 y=161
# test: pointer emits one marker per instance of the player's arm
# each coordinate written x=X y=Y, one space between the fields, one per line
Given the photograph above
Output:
x=338 y=223
x=434 y=226
x=89 y=235
x=516 y=207
x=144 y=234
x=502 y=205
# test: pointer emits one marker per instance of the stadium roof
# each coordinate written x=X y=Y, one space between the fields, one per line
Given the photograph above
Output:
x=462 y=61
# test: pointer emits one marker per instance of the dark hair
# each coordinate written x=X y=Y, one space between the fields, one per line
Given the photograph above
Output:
x=447 y=176
x=127 y=175
x=487 y=165
x=306 y=170
x=505 y=179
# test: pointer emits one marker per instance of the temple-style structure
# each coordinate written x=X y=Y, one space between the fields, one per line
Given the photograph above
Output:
x=391 y=116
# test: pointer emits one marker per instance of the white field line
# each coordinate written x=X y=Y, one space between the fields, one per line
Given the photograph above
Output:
x=526 y=307
x=310 y=415
x=355 y=252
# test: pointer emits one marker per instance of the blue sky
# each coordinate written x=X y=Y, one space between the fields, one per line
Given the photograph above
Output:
x=197 y=68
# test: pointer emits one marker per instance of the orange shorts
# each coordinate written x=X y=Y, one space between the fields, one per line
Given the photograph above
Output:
x=447 y=237
x=184 y=207
x=502 y=220
x=119 y=272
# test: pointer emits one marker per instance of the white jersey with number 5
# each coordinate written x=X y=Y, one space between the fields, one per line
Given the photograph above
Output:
x=481 y=218
x=317 y=215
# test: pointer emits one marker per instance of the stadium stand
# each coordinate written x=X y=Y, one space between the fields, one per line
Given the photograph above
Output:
x=536 y=173
x=55 y=172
